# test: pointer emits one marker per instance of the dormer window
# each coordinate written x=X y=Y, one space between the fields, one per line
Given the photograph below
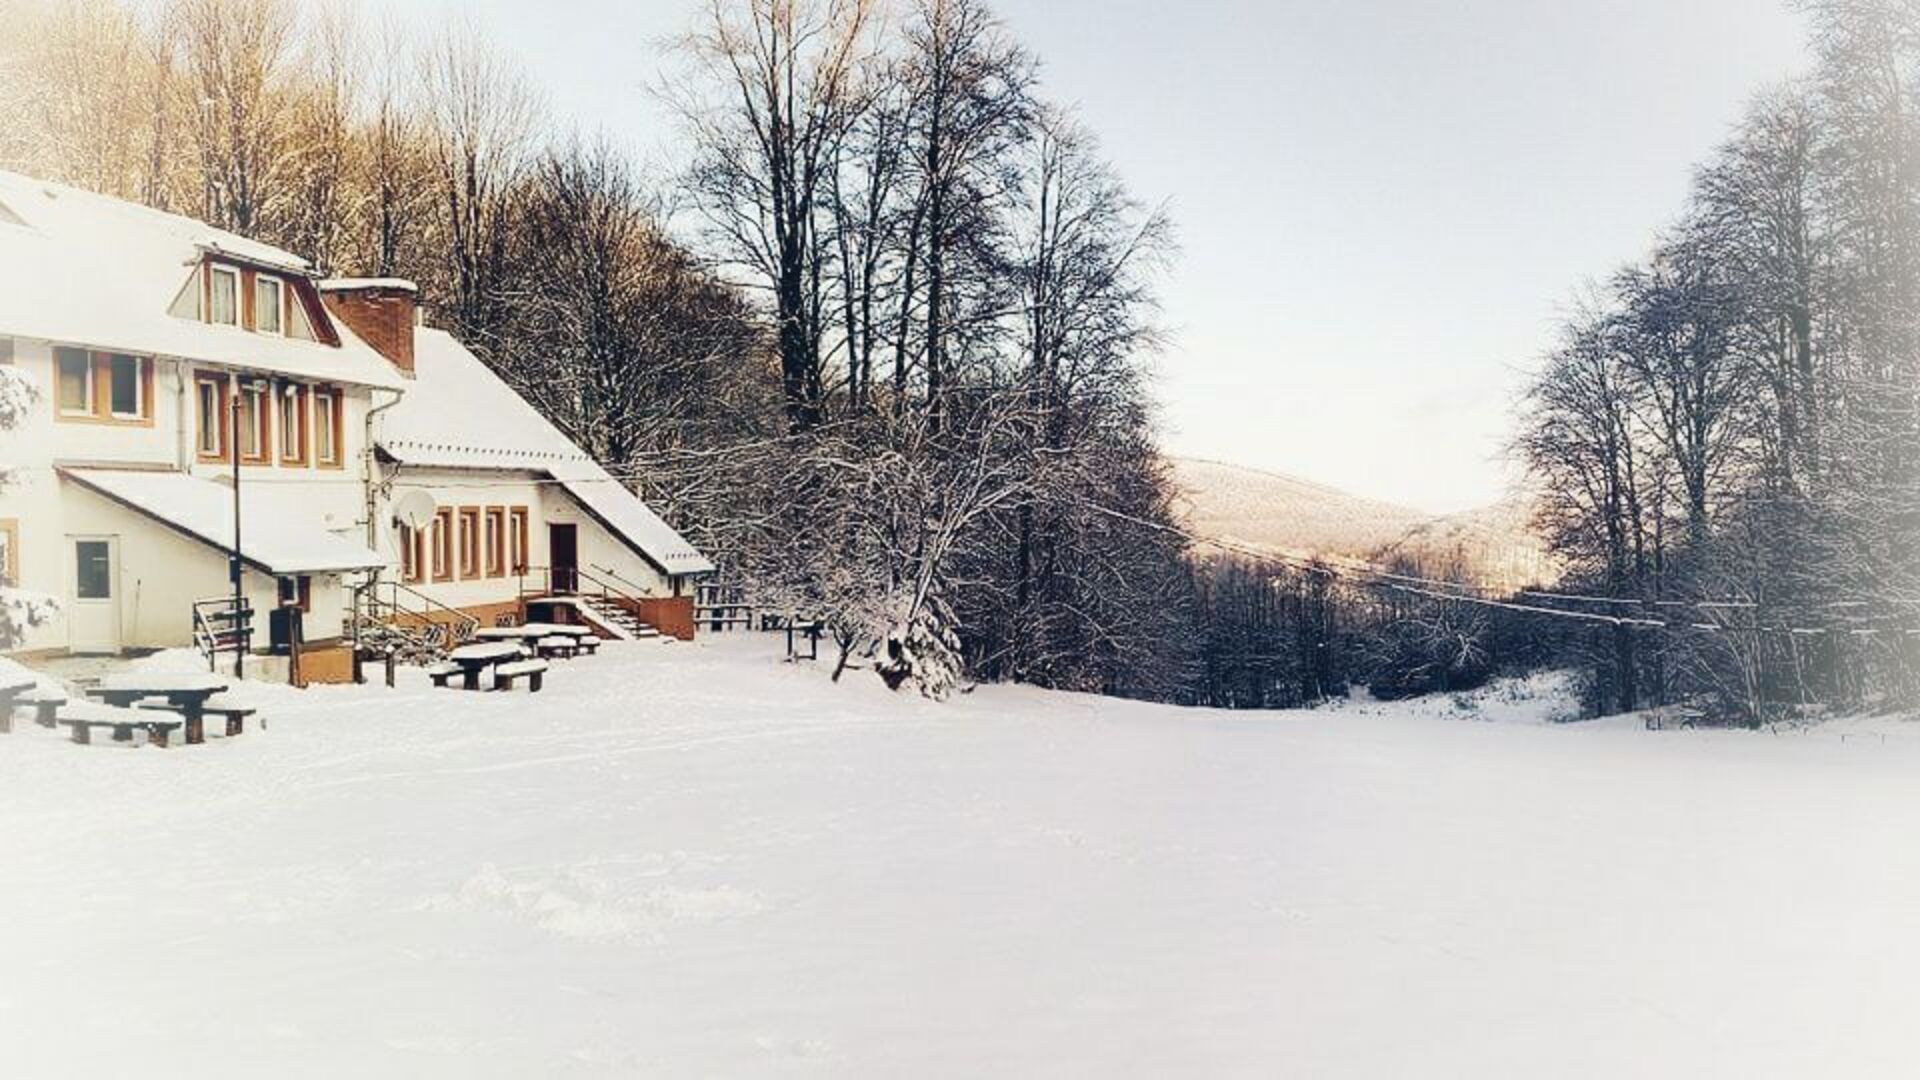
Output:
x=223 y=288
x=268 y=304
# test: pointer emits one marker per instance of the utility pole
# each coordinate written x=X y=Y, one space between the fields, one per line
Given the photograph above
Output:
x=236 y=569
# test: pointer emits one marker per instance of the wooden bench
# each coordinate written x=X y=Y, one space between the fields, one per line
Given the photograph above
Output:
x=534 y=671
x=588 y=645
x=84 y=717
x=441 y=674
x=234 y=715
x=558 y=646
x=45 y=701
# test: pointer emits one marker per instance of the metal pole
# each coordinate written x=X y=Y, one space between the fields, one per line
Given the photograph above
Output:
x=235 y=568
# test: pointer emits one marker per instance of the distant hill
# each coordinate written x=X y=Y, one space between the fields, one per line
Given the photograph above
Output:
x=1288 y=515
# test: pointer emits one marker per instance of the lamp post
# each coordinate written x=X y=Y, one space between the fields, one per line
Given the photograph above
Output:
x=236 y=569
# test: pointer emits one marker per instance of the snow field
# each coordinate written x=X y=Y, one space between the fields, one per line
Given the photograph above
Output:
x=699 y=861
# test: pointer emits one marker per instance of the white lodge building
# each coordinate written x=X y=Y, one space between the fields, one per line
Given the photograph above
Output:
x=383 y=469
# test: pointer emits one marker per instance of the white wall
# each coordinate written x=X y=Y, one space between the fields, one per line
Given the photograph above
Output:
x=546 y=503
x=161 y=571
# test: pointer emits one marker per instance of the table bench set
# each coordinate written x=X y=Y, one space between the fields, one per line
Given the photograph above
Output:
x=158 y=704
x=513 y=653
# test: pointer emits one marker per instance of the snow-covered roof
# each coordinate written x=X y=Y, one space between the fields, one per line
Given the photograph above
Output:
x=347 y=283
x=85 y=269
x=276 y=534
x=458 y=414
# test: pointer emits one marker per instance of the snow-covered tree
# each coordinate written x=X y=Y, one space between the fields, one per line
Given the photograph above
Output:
x=19 y=610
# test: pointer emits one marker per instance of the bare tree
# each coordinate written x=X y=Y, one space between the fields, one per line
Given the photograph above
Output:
x=482 y=114
x=782 y=91
x=235 y=52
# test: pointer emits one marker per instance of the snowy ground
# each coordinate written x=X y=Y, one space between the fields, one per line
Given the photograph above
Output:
x=697 y=861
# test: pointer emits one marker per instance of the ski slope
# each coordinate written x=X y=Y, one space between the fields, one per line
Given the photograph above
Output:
x=698 y=861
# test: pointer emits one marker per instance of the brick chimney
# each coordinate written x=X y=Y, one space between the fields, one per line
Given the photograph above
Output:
x=380 y=310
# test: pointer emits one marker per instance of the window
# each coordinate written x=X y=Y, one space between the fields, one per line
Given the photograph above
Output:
x=93 y=570
x=210 y=410
x=326 y=427
x=496 y=541
x=469 y=541
x=267 y=301
x=297 y=592
x=76 y=381
x=126 y=387
x=223 y=289
x=110 y=388
x=186 y=302
x=443 y=544
x=298 y=325
x=293 y=424
x=517 y=541
x=255 y=424
x=9 y=552
x=413 y=551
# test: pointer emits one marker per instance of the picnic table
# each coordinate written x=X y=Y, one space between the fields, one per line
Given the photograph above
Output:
x=478 y=657
x=187 y=694
x=12 y=688
x=532 y=631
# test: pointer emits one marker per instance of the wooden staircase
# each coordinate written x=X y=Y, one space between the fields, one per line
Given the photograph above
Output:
x=607 y=606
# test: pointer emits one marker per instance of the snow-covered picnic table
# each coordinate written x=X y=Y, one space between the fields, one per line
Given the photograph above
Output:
x=188 y=693
x=530 y=632
x=478 y=657
x=13 y=686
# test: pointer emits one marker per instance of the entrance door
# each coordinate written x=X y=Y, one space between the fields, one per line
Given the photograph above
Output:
x=93 y=608
x=563 y=552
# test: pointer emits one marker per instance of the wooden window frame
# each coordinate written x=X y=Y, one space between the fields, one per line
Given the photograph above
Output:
x=222 y=418
x=61 y=354
x=263 y=420
x=214 y=270
x=142 y=388
x=517 y=533
x=442 y=545
x=302 y=592
x=471 y=568
x=10 y=563
x=413 y=555
x=99 y=389
x=299 y=394
x=280 y=291
x=336 y=425
x=494 y=537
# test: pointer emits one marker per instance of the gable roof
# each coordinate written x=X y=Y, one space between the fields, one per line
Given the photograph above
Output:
x=85 y=269
x=458 y=414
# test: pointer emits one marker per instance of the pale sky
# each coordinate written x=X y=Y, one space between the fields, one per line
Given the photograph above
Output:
x=1382 y=205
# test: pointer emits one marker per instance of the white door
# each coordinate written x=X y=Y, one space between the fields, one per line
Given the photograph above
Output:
x=93 y=602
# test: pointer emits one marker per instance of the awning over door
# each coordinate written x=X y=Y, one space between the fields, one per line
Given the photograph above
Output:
x=277 y=534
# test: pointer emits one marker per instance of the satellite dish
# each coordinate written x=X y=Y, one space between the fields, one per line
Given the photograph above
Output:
x=415 y=509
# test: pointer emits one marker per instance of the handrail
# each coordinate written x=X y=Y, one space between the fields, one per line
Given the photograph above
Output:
x=581 y=575
x=213 y=641
x=610 y=573
x=460 y=625
x=606 y=591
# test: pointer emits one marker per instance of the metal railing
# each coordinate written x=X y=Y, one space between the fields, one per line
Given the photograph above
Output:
x=409 y=620
x=222 y=624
